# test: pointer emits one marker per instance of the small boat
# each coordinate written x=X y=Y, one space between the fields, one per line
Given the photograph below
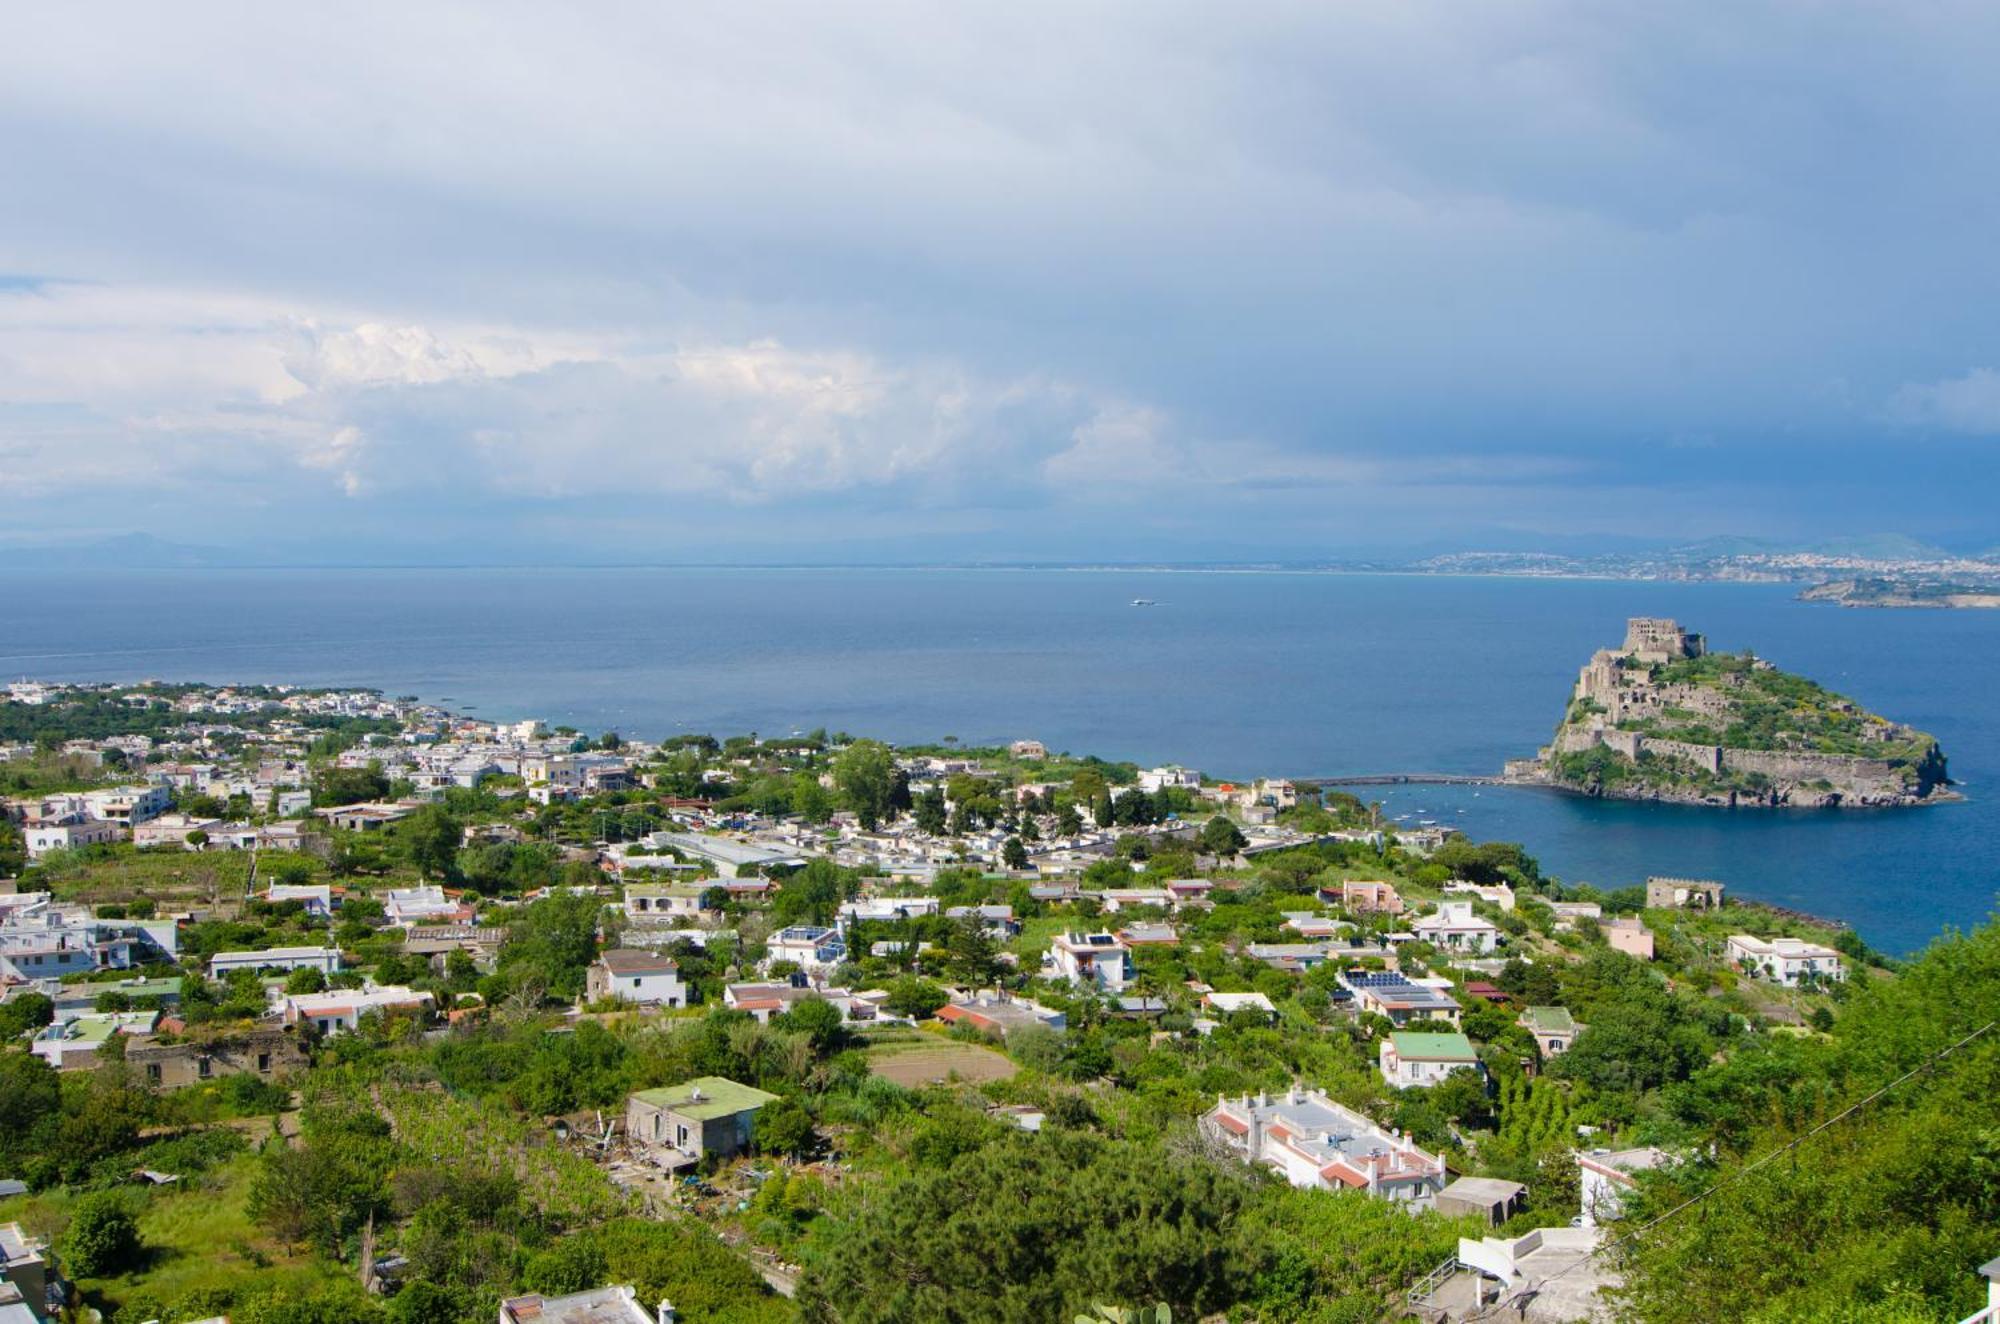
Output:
x=1144 y=602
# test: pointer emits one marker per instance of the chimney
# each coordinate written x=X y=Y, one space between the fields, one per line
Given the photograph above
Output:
x=667 y=1313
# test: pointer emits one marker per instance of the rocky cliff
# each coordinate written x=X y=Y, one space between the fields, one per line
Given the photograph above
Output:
x=1665 y=719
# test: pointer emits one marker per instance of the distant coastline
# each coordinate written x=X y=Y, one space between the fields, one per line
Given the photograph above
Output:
x=1905 y=594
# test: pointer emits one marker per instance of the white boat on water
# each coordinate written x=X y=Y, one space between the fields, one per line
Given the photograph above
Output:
x=1144 y=602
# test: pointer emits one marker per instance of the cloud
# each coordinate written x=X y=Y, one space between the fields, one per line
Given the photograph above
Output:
x=495 y=264
x=1967 y=404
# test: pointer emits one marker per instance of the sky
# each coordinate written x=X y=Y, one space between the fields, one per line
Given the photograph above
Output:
x=797 y=282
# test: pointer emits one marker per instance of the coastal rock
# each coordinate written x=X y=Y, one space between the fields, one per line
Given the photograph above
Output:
x=1664 y=719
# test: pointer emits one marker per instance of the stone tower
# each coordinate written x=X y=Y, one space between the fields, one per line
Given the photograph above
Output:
x=1658 y=639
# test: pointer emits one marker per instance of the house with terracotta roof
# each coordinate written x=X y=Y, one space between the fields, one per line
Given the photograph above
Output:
x=341 y=1010
x=775 y=999
x=1315 y=1143
x=1000 y=1015
x=1606 y=1176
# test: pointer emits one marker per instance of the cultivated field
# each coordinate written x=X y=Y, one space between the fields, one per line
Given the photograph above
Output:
x=915 y=1064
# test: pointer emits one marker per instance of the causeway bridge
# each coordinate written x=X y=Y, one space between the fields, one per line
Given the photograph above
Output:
x=1405 y=779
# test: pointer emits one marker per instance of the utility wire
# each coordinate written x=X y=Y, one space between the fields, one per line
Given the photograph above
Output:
x=1528 y=1289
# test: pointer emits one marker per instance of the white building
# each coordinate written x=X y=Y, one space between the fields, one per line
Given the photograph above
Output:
x=600 y=1305
x=1606 y=1175
x=888 y=907
x=1787 y=961
x=1318 y=1144
x=1409 y=1059
x=1493 y=894
x=423 y=905
x=630 y=975
x=1457 y=928
x=340 y=1010
x=317 y=898
x=49 y=837
x=814 y=949
x=1183 y=779
x=1097 y=959
x=326 y=960
x=129 y=805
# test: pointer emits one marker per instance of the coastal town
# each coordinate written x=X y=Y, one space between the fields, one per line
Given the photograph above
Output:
x=223 y=892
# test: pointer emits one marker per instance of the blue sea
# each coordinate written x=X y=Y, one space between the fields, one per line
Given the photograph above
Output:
x=1237 y=673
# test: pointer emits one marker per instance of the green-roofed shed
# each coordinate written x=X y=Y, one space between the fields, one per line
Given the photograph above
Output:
x=683 y=1123
x=1419 y=1046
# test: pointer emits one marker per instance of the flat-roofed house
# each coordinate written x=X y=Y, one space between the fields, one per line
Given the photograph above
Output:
x=599 y=1305
x=810 y=946
x=1629 y=934
x=24 y=1277
x=326 y=960
x=1094 y=959
x=1455 y=926
x=1367 y=898
x=685 y=1123
x=1396 y=998
x=341 y=1010
x=1787 y=961
x=266 y=1051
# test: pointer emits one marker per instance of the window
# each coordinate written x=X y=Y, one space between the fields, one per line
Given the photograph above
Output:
x=263 y=1061
x=153 y=1073
x=203 y=1068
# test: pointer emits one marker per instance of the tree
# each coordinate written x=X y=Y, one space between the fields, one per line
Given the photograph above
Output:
x=971 y=956
x=992 y=1232
x=914 y=997
x=816 y=1018
x=931 y=812
x=25 y=1012
x=784 y=1127
x=346 y=786
x=553 y=943
x=1221 y=837
x=1068 y=822
x=865 y=773
x=102 y=1238
x=810 y=800
x=812 y=895
x=306 y=979
x=1014 y=855
x=430 y=839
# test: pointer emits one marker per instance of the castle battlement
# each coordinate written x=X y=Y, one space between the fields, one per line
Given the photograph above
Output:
x=1661 y=639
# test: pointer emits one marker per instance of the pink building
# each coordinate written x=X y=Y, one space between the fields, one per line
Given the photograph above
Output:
x=1630 y=936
